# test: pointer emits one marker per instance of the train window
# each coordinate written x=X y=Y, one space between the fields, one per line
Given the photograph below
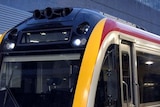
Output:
x=126 y=76
x=107 y=88
x=148 y=77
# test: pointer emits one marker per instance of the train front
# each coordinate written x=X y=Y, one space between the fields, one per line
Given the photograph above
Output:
x=41 y=57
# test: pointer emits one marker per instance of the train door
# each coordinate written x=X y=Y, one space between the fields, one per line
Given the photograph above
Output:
x=108 y=94
x=126 y=74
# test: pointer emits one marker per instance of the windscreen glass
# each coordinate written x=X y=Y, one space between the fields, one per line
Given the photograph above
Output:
x=41 y=81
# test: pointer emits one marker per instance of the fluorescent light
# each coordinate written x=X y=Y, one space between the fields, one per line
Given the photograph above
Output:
x=149 y=62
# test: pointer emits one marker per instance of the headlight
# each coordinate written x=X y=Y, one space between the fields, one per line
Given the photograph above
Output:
x=79 y=42
x=13 y=34
x=83 y=28
x=9 y=45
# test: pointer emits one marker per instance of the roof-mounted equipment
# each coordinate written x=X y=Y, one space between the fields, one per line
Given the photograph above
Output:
x=51 y=13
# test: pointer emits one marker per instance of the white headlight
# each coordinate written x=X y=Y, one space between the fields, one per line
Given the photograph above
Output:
x=10 y=46
x=77 y=42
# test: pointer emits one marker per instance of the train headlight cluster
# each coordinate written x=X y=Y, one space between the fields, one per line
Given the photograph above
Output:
x=12 y=38
x=76 y=42
x=83 y=28
x=79 y=42
x=10 y=45
x=81 y=38
x=13 y=34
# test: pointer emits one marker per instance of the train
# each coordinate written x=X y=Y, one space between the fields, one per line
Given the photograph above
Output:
x=78 y=57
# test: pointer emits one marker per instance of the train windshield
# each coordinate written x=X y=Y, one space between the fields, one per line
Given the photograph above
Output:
x=40 y=81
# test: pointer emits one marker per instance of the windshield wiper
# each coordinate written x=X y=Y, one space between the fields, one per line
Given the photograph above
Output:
x=8 y=94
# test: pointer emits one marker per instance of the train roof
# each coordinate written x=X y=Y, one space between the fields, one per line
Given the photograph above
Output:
x=130 y=29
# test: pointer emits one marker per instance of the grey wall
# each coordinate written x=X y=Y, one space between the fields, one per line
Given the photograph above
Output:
x=10 y=17
x=129 y=10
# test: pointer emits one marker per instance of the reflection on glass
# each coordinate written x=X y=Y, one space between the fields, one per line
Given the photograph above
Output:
x=149 y=77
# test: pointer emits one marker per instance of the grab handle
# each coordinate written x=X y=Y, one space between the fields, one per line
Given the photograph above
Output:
x=127 y=96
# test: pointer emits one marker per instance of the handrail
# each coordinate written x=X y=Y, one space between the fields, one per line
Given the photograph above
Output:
x=127 y=96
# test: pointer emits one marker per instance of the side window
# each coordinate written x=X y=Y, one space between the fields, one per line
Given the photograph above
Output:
x=148 y=67
x=108 y=85
x=126 y=77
